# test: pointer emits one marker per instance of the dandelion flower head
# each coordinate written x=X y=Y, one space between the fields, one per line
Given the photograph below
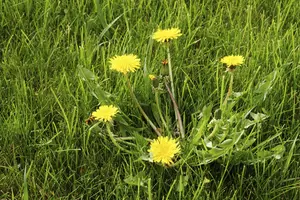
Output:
x=232 y=61
x=163 y=149
x=125 y=63
x=166 y=34
x=105 y=113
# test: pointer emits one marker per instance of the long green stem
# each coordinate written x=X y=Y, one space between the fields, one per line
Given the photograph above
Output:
x=229 y=89
x=140 y=108
x=177 y=113
x=222 y=91
x=149 y=189
x=172 y=94
x=170 y=72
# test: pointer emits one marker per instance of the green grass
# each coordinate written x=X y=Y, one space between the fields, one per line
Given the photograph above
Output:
x=48 y=152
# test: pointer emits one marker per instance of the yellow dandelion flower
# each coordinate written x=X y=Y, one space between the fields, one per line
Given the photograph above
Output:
x=152 y=77
x=166 y=34
x=163 y=149
x=105 y=113
x=125 y=63
x=232 y=61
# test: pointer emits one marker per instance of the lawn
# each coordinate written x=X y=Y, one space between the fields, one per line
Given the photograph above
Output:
x=235 y=126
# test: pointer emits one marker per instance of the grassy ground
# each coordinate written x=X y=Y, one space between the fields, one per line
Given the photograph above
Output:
x=47 y=150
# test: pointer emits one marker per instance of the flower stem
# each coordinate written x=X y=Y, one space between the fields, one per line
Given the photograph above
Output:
x=149 y=189
x=222 y=91
x=170 y=72
x=177 y=113
x=172 y=95
x=229 y=89
x=140 y=108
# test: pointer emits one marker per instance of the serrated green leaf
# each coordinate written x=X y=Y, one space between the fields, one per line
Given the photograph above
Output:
x=201 y=127
x=96 y=89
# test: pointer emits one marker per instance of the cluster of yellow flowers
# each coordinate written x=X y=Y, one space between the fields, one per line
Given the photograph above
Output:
x=129 y=62
x=163 y=149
